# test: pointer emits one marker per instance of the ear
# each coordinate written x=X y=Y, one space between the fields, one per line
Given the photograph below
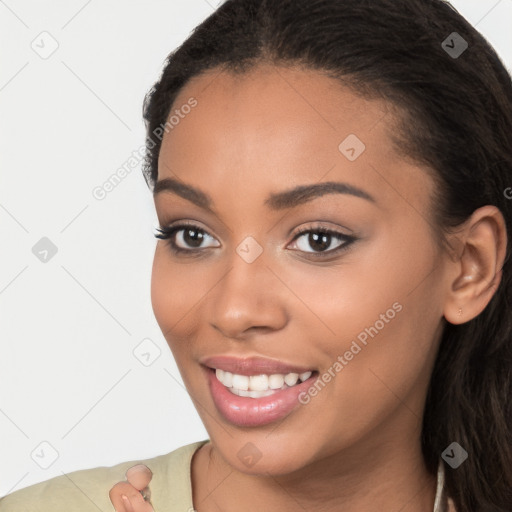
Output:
x=477 y=270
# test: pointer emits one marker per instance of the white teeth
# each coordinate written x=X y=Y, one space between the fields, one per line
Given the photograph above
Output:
x=256 y=386
x=291 y=379
x=241 y=382
x=227 y=380
x=305 y=376
x=258 y=382
x=276 y=381
x=250 y=393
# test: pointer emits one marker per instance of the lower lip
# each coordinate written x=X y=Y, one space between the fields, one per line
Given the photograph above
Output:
x=254 y=412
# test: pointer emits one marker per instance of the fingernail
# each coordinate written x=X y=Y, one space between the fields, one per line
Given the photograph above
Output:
x=124 y=497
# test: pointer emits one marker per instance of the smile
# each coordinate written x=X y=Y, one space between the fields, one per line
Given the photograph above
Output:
x=257 y=386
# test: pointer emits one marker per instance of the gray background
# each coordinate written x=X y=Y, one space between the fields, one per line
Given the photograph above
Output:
x=75 y=390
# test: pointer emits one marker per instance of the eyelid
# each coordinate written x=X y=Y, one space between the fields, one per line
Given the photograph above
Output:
x=346 y=240
x=167 y=234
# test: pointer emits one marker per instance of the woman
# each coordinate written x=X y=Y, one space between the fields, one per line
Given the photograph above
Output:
x=332 y=182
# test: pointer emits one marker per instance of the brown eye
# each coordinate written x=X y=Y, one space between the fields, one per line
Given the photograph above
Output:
x=321 y=241
x=192 y=237
x=185 y=237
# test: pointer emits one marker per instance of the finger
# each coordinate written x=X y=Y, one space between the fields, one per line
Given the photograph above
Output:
x=134 y=502
x=118 y=503
x=139 y=476
x=127 y=503
x=115 y=495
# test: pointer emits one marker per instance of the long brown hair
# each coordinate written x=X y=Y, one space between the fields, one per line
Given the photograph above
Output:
x=457 y=120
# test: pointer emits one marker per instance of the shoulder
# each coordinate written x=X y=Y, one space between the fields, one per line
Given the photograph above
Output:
x=88 y=489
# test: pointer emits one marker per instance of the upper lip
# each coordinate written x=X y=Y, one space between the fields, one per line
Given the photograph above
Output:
x=254 y=365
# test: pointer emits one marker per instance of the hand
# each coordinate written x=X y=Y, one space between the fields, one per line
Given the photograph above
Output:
x=138 y=478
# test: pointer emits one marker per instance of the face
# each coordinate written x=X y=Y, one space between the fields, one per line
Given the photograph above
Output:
x=344 y=281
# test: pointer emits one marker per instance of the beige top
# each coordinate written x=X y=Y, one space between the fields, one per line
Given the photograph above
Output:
x=87 y=490
x=171 y=489
x=442 y=502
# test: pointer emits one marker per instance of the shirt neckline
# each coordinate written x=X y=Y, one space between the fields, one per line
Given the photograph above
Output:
x=440 y=500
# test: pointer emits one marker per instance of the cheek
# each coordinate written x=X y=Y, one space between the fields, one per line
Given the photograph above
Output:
x=379 y=311
x=178 y=290
x=170 y=292
x=352 y=295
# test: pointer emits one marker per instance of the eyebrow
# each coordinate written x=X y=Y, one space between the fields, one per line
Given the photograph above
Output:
x=276 y=201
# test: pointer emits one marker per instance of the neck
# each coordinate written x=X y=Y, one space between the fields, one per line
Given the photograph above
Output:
x=352 y=480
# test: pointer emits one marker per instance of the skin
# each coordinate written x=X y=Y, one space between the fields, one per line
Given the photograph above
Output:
x=126 y=495
x=357 y=443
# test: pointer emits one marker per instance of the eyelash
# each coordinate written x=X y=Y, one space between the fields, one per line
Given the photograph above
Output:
x=167 y=233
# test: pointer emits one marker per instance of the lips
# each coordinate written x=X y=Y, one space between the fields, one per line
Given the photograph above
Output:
x=252 y=365
x=255 y=408
x=254 y=412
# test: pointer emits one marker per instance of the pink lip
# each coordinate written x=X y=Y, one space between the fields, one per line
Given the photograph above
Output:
x=252 y=365
x=253 y=412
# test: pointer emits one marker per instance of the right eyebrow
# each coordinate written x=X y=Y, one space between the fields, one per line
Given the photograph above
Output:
x=276 y=201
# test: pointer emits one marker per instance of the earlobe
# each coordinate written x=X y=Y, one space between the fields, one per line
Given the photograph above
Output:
x=478 y=270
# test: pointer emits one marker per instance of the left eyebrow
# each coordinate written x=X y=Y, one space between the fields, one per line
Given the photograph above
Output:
x=276 y=201
x=304 y=193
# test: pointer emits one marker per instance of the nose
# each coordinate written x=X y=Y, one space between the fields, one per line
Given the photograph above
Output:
x=249 y=299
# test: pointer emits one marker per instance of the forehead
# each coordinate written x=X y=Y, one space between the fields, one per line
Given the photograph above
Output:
x=257 y=131
x=274 y=108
